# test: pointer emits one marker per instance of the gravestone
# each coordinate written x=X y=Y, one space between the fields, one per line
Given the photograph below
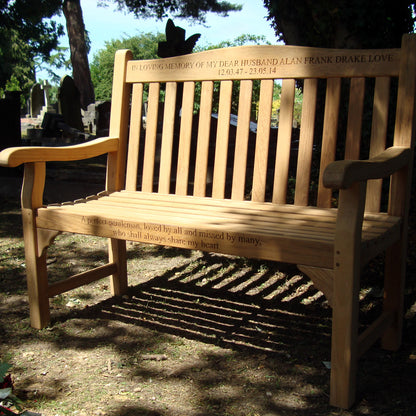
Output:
x=89 y=118
x=70 y=104
x=46 y=87
x=47 y=108
x=37 y=100
x=103 y=118
x=96 y=118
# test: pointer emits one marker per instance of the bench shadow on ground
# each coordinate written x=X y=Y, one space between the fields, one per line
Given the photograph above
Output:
x=222 y=305
x=253 y=311
x=246 y=308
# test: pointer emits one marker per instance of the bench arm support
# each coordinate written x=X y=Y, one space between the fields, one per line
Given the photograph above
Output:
x=342 y=174
x=15 y=156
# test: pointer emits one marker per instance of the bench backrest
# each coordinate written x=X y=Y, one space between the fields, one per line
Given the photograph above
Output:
x=347 y=111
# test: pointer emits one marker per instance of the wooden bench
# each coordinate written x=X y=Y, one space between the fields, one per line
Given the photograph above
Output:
x=176 y=183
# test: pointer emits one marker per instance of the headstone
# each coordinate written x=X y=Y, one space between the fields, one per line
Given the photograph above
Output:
x=96 y=118
x=37 y=100
x=89 y=118
x=46 y=87
x=103 y=118
x=70 y=104
x=47 y=108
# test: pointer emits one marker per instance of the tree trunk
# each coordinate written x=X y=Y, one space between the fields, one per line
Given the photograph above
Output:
x=79 y=56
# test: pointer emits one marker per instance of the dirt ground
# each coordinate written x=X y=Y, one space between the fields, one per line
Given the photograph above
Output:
x=197 y=334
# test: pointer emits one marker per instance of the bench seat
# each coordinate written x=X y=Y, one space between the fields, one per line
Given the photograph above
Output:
x=286 y=233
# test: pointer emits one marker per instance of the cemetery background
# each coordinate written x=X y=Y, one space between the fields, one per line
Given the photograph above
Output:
x=63 y=122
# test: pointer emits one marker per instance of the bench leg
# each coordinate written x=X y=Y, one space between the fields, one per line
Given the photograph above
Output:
x=344 y=349
x=36 y=272
x=394 y=282
x=345 y=302
x=117 y=255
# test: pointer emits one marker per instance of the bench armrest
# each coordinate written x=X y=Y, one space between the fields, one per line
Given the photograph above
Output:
x=342 y=174
x=15 y=156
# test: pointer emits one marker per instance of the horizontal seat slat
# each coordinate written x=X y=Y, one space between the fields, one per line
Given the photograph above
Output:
x=296 y=228
x=198 y=218
x=274 y=214
x=257 y=208
x=225 y=210
x=273 y=218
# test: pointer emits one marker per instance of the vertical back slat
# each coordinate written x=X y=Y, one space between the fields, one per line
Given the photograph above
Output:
x=378 y=138
x=329 y=137
x=403 y=133
x=284 y=139
x=221 y=147
x=119 y=120
x=182 y=175
x=150 y=139
x=307 y=126
x=134 y=137
x=204 y=129
x=241 y=141
x=262 y=140
x=355 y=118
x=406 y=90
x=167 y=138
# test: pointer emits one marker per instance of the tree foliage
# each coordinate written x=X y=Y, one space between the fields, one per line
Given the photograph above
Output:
x=26 y=37
x=192 y=9
x=245 y=39
x=143 y=46
x=341 y=23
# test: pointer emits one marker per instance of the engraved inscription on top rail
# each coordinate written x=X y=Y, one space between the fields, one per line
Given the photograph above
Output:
x=259 y=66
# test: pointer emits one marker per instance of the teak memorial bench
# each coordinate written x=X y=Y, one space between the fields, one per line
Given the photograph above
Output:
x=173 y=181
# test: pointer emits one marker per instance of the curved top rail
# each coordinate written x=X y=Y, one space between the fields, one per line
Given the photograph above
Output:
x=260 y=62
